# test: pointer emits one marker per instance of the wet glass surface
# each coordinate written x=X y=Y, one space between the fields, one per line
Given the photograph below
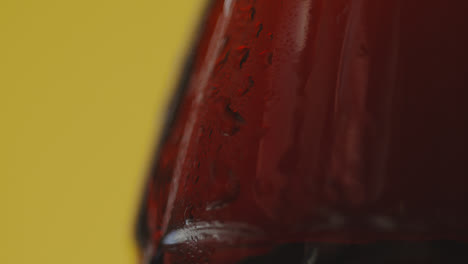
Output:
x=319 y=128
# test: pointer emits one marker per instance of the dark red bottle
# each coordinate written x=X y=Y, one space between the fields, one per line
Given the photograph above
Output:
x=317 y=131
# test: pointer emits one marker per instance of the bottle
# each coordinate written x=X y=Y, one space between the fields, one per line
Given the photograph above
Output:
x=317 y=131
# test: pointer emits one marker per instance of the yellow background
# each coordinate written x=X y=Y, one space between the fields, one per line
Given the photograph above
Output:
x=83 y=85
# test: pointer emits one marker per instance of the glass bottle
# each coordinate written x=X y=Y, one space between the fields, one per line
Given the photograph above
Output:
x=317 y=131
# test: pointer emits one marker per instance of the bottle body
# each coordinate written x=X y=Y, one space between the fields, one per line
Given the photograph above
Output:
x=318 y=126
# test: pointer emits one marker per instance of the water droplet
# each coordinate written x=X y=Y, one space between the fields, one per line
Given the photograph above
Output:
x=214 y=91
x=259 y=30
x=195 y=180
x=246 y=87
x=222 y=61
x=270 y=58
x=244 y=57
x=234 y=114
x=252 y=13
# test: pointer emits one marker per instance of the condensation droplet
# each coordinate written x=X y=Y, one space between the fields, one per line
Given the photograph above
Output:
x=244 y=57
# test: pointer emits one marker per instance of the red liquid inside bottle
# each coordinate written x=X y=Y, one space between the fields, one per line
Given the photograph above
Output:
x=325 y=131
